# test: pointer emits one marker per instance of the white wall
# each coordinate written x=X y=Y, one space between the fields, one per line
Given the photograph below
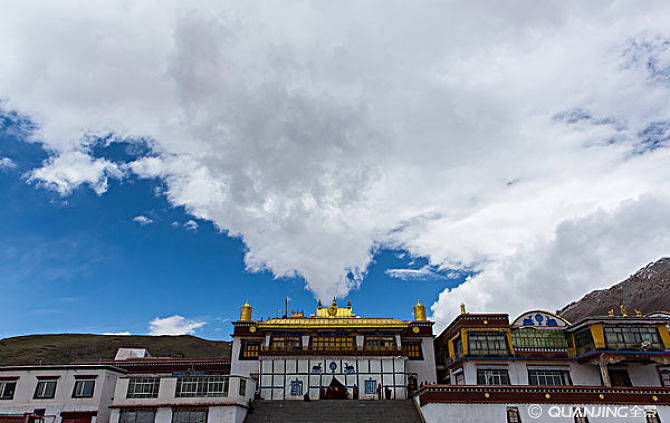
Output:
x=425 y=369
x=487 y=413
x=23 y=401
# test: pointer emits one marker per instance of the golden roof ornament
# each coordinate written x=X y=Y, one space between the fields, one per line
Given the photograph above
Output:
x=245 y=312
x=348 y=302
x=419 y=311
x=624 y=313
x=462 y=308
x=319 y=303
x=611 y=312
x=638 y=313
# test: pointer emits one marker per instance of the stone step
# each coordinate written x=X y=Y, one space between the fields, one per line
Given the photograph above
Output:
x=326 y=411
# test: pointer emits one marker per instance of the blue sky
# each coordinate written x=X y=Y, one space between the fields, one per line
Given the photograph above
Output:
x=524 y=145
x=80 y=264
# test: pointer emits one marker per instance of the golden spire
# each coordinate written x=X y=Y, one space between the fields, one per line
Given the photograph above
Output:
x=245 y=312
x=611 y=312
x=348 y=302
x=419 y=311
x=623 y=310
x=462 y=308
x=334 y=303
x=319 y=303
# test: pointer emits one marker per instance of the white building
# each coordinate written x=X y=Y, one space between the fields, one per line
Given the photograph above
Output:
x=61 y=394
x=542 y=368
x=334 y=354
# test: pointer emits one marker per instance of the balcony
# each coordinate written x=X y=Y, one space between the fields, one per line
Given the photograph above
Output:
x=526 y=394
x=353 y=351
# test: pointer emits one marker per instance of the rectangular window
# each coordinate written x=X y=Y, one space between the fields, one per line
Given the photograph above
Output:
x=83 y=388
x=202 y=386
x=7 y=389
x=549 y=377
x=584 y=341
x=665 y=377
x=250 y=350
x=633 y=338
x=45 y=389
x=370 y=387
x=458 y=347
x=143 y=387
x=413 y=350
x=135 y=415
x=286 y=342
x=333 y=343
x=379 y=343
x=652 y=416
x=492 y=377
x=513 y=415
x=530 y=338
x=296 y=387
x=487 y=344
x=189 y=415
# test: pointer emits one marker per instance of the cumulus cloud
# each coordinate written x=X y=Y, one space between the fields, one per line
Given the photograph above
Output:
x=191 y=225
x=6 y=163
x=461 y=132
x=174 y=325
x=126 y=333
x=68 y=170
x=584 y=254
x=143 y=220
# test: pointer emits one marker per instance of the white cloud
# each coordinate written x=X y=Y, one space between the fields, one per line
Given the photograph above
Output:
x=126 y=333
x=66 y=171
x=6 y=163
x=142 y=220
x=591 y=252
x=316 y=137
x=174 y=325
x=426 y=272
x=175 y=224
x=191 y=225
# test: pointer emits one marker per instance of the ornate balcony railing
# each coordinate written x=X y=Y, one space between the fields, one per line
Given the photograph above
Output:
x=355 y=351
x=534 y=394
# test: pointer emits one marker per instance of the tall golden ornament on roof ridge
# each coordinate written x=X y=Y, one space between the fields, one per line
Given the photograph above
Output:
x=419 y=311
x=638 y=313
x=245 y=312
x=462 y=308
x=611 y=312
x=624 y=313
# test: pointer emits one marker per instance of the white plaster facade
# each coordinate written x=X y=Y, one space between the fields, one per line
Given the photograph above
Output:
x=548 y=413
x=27 y=377
x=229 y=408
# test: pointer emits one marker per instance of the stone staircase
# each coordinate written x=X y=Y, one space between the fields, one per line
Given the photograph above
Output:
x=325 y=411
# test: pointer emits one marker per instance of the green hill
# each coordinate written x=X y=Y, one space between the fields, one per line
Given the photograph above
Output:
x=66 y=348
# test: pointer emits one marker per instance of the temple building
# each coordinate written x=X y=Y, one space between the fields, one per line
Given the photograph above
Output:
x=334 y=354
x=503 y=371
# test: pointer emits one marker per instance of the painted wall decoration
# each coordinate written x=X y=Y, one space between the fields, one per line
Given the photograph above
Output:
x=539 y=318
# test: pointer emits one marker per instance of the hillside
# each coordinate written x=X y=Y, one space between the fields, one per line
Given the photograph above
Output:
x=66 y=348
x=646 y=290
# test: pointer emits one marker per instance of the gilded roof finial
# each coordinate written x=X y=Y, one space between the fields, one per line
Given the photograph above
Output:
x=319 y=303
x=348 y=302
x=334 y=303
x=419 y=311
x=245 y=312
x=462 y=308
x=638 y=313
x=623 y=310
x=611 y=312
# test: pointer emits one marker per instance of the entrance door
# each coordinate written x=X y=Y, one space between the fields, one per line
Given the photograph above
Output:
x=619 y=377
x=336 y=390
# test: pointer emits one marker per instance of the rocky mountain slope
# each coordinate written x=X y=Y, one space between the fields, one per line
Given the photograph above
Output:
x=66 y=348
x=646 y=290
